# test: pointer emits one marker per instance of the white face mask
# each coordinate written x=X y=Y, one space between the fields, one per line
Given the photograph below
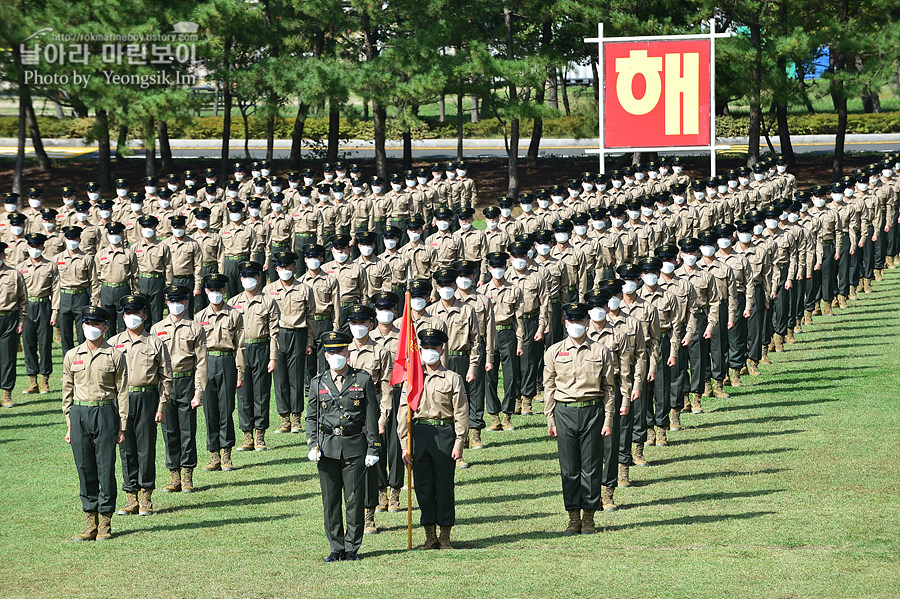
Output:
x=837 y=197
x=202 y=224
x=446 y=293
x=255 y=173
x=498 y=272
x=561 y=237
x=443 y=225
x=72 y=244
x=148 y=233
x=745 y=237
x=340 y=255
x=617 y=183
x=771 y=223
x=366 y=250
x=863 y=186
x=417 y=303
x=646 y=211
x=121 y=192
x=264 y=172
x=35 y=253
x=721 y=189
x=574 y=193
x=254 y=212
x=133 y=321
x=294 y=184
x=633 y=214
x=543 y=249
x=781 y=169
x=732 y=184
x=662 y=208
x=414 y=236
x=313 y=263
x=699 y=195
x=587 y=186
x=677 y=169
x=359 y=331
x=68 y=201
x=410 y=183
x=744 y=181
x=505 y=212
x=81 y=216
x=650 y=278
x=575 y=330
x=793 y=218
x=357 y=190
x=114 y=239
x=285 y=274
x=231 y=193
x=689 y=259
x=17 y=230
x=336 y=361
x=639 y=176
x=708 y=250
x=164 y=203
x=338 y=195
x=543 y=204
x=431 y=356
x=422 y=180
x=679 y=200
x=597 y=314
x=396 y=186
x=463 y=282
x=848 y=193
x=757 y=229
x=176 y=308
x=723 y=243
x=384 y=316
x=617 y=221
x=136 y=206
x=758 y=176
x=598 y=225
x=667 y=268
x=614 y=303
x=305 y=200
x=451 y=175
x=491 y=225
x=465 y=225
x=91 y=333
x=526 y=208
x=48 y=226
x=93 y=196
x=519 y=263
x=215 y=297
x=390 y=243
x=818 y=202
x=178 y=232
x=556 y=199
x=629 y=287
x=580 y=229
x=377 y=189
x=105 y=214
x=277 y=207
x=653 y=175
x=234 y=216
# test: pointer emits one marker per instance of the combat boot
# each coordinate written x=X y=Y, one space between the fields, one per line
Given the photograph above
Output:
x=382 y=501
x=867 y=285
x=131 y=504
x=146 y=502
x=675 y=420
x=574 y=527
x=260 y=441
x=187 y=480
x=296 y=424
x=285 y=426
x=798 y=327
x=507 y=424
x=727 y=380
x=661 y=440
x=853 y=295
x=765 y=355
x=215 y=462
x=461 y=464
x=526 y=406
x=807 y=317
x=475 y=441
x=637 y=454
x=6 y=398
x=790 y=337
x=32 y=387
x=609 y=505
x=687 y=404
x=651 y=436
x=175 y=485
x=90 y=528
x=394 y=501
x=779 y=342
x=826 y=309
x=518 y=409
x=45 y=384
x=444 y=539
x=736 y=378
x=753 y=368
x=842 y=301
x=104 y=527
x=817 y=311
x=227 y=465
x=719 y=391
x=587 y=523
x=696 y=408
x=495 y=423
x=248 y=442
x=707 y=390
x=624 y=480
x=369 y=527
x=431 y=540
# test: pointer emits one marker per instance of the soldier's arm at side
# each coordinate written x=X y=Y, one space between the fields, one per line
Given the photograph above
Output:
x=373 y=440
x=165 y=376
x=549 y=387
x=312 y=413
x=460 y=414
x=200 y=366
x=122 y=389
x=68 y=387
x=608 y=388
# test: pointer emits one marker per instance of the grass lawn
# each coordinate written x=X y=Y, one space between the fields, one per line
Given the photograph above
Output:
x=785 y=490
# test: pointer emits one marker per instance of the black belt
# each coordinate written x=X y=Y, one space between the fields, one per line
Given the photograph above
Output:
x=341 y=431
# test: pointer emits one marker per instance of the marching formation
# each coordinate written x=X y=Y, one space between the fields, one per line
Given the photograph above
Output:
x=618 y=300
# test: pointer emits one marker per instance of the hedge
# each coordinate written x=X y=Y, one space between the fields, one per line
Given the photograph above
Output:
x=577 y=126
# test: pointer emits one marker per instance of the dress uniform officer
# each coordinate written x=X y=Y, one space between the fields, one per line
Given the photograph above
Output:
x=79 y=286
x=119 y=269
x=297 y=307
x=149 y=386
x=352 y=281
x=579 y=395
x=187 y=259
x=95 y=404
x=342 y=434
x=261 y=316
x=239 y=242
x=42 y=284
x=154 y=266
x=224 y=330
x=372 y=357
x=438 y=432
x=508 y=310
x=186 y=342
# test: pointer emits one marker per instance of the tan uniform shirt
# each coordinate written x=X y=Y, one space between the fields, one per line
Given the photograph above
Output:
x=187 y=259
x=443 y=397
x=13 y=293
x=378 y=275
x=78 y=270
x=296 y=305
x=576 y=267
x=574 y=372
x=484 y=313
x=373 y=358
x=118 y=265
x=186 y=343
x=327 y=294
x=154 y=258
x=508 y=307
x=261 y=317
x=707 y=292
x=351 y=279
x=42 y=282
x=669 y=315
x=95 y=376
x=224 y=331
x=462 y=330
x=619 y=345
x=648 y=315
x=148 y=360
x=535 y=299
x=422 y=259
x=239 y=239
x=447 y=248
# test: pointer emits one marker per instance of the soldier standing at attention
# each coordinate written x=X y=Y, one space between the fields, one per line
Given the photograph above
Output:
x=118 y=266
x=78 y=285
x=438 y=432
x=95 y=404
x=42 y=284
x=352 y=281
x=325 y=289
x=579 y=395
x=213 y=250
x=187 y=259
x=239 y=242
x=297 y=307
x=186 y=342
x=13 y=312
x=342 y=433
x=149 y=385
x=224 y=329
x=155 y=267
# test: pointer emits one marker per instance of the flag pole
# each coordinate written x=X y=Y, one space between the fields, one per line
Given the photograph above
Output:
x=409 y=483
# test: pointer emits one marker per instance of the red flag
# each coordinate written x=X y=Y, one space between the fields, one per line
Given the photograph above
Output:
x=408 y=363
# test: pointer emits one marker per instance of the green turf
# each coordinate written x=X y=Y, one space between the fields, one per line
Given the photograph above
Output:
x=785 y=490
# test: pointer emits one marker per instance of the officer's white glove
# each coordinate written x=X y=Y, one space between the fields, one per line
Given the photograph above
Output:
x=371 y=460
x=315 y=454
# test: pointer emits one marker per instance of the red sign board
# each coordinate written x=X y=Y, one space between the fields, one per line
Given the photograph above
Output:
x=656 y=94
